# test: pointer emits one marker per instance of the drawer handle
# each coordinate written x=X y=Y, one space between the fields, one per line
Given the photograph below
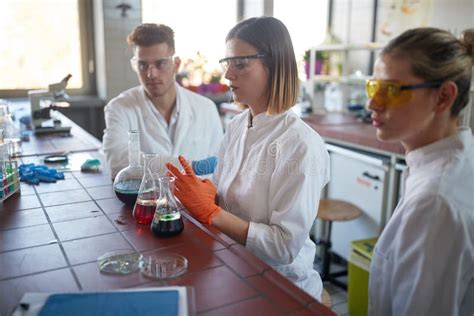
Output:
x=368 y=175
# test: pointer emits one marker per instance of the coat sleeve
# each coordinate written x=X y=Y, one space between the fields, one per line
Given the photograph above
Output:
x=299 y=175
x=115 y=140
x=428 y=251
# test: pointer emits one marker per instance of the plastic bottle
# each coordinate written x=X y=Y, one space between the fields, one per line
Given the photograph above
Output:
x=11 y=133
x=333 y=97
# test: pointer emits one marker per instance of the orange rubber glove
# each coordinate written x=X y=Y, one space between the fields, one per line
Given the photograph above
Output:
x=198 y=196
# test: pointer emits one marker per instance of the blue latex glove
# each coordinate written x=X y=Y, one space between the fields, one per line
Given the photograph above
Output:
x=205 y=166
x=33 y=174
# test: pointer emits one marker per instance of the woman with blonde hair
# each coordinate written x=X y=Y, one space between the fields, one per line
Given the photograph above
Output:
x=423 y=263
x=272 y=166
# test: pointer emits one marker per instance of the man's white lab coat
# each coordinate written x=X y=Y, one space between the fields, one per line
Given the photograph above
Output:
x=272 y=175
x=423 y=263
x=197 y=136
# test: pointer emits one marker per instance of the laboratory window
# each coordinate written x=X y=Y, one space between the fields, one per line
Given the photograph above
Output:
x=43 y=41
x=200 y=29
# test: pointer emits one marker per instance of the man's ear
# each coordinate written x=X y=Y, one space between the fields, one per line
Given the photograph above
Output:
x=177 y=63
x=447 y=93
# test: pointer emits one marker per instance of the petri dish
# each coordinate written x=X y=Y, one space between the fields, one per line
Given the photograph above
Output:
x=122 y=261
x=164 y=266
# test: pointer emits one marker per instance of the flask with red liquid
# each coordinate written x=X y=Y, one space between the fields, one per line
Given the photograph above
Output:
x=148 y=193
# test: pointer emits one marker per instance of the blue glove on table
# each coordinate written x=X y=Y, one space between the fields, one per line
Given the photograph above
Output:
x=205 y=166
x=33 y=174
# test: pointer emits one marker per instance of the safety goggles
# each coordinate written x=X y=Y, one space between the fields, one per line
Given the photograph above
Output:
x=392 y=94
x=162 y=64
x=239 y=64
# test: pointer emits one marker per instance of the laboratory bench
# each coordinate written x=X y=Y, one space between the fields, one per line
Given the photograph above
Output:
x=52 y=234
x=348 y=130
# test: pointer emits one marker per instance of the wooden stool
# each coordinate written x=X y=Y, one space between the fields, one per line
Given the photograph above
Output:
x=331 y=210
x=326 y=299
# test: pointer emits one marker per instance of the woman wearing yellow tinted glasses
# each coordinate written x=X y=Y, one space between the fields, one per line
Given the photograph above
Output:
x=423 y=261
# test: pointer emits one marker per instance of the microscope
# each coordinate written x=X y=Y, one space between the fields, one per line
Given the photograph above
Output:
x=43 y=102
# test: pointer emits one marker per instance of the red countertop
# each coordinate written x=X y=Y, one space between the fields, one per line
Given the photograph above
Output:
x=348 y=129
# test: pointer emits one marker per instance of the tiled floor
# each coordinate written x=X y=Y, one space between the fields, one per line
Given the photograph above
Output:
x=338 y=299
x=338 y=295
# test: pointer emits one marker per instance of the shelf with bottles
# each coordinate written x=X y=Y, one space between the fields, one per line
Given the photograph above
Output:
x=9 y=176
x=329 y=61
x=333 y=86
x=356 y=78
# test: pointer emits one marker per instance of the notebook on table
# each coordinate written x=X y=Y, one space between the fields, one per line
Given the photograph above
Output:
x=168 y=301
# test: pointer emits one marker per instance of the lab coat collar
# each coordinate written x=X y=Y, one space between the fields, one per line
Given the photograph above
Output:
x=263 y=119
x=184 y=115
x=146 y=100
x=458 y=142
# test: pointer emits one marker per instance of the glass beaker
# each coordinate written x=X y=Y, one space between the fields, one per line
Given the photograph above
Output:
x=148 y=193
x=167 y=220
x=128 y=180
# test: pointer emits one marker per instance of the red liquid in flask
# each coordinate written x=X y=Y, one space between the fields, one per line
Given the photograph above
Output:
x=144 y=210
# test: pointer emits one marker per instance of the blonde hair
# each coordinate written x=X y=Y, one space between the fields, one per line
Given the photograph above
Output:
x=271 y=38
x=436 y=54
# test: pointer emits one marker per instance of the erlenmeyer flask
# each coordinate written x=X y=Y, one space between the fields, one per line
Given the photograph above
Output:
x=128 y=180
x=167 y=220
x=148 y=194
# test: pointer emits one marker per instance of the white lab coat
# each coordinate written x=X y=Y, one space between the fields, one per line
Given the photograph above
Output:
x=423 y=263
x=198 y=131
x=271 y=175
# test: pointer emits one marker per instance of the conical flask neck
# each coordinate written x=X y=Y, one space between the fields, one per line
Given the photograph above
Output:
x=167 y=201
x=149 y=185
x=134 y=148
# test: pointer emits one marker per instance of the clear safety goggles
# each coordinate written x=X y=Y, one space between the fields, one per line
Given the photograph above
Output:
x=239 y=64
x=162 y=64
x=392 y=94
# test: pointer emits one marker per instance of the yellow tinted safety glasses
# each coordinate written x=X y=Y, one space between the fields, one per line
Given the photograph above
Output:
x=391 y=94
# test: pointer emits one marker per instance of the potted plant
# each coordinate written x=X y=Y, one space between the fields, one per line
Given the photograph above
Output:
x=321 y=59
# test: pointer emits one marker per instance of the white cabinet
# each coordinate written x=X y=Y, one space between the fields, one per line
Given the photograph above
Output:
x=359 y=178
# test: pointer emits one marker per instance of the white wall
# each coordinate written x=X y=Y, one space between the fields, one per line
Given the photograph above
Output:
x=453 y=15
x=114 y=74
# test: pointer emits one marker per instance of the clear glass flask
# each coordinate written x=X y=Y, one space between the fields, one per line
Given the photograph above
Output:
x=167 y=220
x=149 y=191
x=128 y=180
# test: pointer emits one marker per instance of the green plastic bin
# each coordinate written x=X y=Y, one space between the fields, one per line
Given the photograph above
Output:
x=358 y=275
